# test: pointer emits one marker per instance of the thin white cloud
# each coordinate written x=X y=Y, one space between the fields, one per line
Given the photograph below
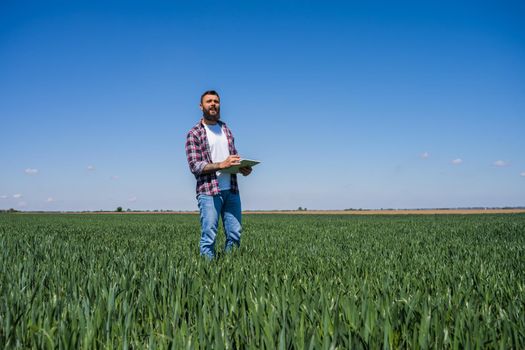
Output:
x=50 y=199
x=22 y=204
x=90 y=168
x=501 y=163
x=31 y=171
x=3 y=196
x=114 y=177
x=522 y=173
x=132 y=199
x=424 y=155
x=457 y=161
x=17 y=196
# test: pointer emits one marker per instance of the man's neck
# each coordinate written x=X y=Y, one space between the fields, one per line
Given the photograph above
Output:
x=209 y=122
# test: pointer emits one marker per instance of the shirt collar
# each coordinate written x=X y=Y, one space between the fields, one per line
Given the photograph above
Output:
x=201 y=123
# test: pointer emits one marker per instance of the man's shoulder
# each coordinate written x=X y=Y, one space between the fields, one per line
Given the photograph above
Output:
x=196 y=129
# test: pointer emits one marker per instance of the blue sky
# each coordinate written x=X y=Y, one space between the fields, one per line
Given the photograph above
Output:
x=347 y=104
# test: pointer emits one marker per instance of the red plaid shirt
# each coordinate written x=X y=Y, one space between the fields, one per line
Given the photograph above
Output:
x=198 y=154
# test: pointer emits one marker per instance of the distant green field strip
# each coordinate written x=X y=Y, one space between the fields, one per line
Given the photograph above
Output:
x=316 y=281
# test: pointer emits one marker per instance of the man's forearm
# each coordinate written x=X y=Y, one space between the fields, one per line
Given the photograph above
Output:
x=211 y=168
x=228 y=162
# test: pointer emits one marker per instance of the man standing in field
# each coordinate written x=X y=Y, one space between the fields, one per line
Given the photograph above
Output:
x=210 y=148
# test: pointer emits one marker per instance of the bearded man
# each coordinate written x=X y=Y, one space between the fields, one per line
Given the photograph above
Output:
x=210 y=148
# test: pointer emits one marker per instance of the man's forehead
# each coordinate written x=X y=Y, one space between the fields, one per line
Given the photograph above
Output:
x=210 y=97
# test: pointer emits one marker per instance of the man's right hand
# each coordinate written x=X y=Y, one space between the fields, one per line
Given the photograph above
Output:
x=230 y=161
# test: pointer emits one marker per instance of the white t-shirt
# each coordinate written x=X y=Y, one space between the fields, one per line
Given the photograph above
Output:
x=219 y=152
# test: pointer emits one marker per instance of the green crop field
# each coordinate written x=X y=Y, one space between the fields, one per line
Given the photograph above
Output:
x=317 y=282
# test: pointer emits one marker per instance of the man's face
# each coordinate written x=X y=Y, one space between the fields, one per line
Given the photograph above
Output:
x=211 y=107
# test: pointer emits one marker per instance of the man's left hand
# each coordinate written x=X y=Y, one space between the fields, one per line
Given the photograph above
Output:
x=245 y=171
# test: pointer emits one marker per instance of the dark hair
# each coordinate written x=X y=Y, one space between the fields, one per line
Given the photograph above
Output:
x=209 y=92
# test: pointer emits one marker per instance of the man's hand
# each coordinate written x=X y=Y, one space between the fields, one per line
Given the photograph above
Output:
x=245 y=171
x=230 y=161
x=213 y=167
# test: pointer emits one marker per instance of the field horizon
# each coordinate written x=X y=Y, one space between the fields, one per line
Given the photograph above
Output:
x=422 y=211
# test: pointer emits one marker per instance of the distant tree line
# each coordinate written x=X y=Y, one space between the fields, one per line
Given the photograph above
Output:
x=10 y=210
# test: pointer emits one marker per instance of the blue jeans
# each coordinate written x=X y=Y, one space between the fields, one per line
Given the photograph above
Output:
x=228 y=205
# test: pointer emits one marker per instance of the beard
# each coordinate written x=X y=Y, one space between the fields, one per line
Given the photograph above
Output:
x=212 y=117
